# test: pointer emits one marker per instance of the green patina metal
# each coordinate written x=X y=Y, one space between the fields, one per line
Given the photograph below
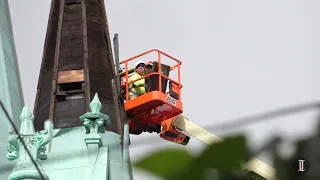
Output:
x=10 y=84
x=35 y=143
x=125 y=154
x=93 y=122
x=79 y=153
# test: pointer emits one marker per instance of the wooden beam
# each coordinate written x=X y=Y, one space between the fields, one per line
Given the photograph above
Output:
x=71 y=76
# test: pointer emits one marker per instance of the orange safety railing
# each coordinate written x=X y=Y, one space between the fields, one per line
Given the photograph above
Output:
x=158 y=73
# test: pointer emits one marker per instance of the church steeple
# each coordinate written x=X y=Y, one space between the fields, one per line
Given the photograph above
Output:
x=77 y=63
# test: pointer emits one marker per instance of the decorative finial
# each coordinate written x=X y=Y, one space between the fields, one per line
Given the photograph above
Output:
x=94 y=122
x=26 y=118
x=26 y=114
x=95 y=104
x=34 y=140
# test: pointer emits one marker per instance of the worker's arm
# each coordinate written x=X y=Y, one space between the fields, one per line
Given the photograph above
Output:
x=139 y=83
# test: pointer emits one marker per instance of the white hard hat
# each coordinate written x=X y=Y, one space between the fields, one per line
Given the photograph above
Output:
x=139 y=62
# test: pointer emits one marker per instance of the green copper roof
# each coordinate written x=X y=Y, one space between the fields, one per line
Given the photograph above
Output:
x=79 y=153
x=70 y=158
x=10 y=84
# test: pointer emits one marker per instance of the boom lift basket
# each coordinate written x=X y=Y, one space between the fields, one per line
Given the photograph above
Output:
x=157 y=104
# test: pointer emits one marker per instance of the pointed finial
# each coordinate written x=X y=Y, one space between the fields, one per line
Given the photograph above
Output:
x=95 y=104
x=26 y=118
x=26 y=114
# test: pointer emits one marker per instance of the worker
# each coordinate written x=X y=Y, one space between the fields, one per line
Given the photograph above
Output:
x=137 y=88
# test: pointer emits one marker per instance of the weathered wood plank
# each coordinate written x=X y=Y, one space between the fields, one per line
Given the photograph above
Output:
x=71 y=40
x=71 y=63
x=86 y=84
x=73 y=2
x=42 y=106
x=56 y=61
x=93 y=10
x=72 y=8
x=71 y=53
x=94 y=19
x=94 y=3
x=43 y=89
x=71 y=76
x=72 y=27
x=72 y=16
x=96 y=32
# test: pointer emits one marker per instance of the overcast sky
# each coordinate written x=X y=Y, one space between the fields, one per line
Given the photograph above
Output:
x=239 y=57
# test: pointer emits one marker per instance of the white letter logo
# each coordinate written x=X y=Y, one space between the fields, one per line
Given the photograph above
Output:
x=301 y=165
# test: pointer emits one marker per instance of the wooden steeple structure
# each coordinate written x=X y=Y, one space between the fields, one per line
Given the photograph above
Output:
x=77 y=63
x=78 y=128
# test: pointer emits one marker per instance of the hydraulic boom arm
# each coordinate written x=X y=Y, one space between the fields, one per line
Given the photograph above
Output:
x=253 y=168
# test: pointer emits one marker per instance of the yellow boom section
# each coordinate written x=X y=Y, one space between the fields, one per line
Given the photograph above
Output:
x=254 y=165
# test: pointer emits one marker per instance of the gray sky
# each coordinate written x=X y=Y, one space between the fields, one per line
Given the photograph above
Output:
x=239 y=57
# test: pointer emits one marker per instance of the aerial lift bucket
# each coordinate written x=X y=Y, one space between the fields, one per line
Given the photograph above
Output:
x=157 y=104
